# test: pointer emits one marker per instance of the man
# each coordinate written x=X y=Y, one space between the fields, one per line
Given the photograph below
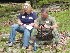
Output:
x=48 y=22
x=24 y=25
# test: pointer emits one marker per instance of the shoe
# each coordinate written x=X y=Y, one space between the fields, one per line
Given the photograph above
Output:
x=10 y=44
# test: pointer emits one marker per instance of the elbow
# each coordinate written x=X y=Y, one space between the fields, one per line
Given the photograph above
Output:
x=55 y=26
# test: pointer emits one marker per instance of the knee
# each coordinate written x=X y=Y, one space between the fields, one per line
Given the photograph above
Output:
x=27 y=35
x=14 y=26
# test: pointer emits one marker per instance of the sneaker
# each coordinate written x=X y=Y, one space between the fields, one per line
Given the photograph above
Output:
x=10 y=44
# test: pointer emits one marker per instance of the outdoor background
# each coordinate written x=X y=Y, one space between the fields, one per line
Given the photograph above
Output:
x=60 y=9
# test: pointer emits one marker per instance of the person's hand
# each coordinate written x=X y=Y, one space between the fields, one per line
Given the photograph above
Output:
x=46 y=26
x=24 y=25
x=41 y=27
x=32 y=24
x=20 y=24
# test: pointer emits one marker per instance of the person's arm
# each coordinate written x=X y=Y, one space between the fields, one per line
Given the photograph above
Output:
x=18 y=19
x=54 y=24
x=32 y=24
x=36 y=24
x=35 y=15
x=19 y=22
x=38 y=27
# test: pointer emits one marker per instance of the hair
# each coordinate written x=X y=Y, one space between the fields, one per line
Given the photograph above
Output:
x=29 y=6
x=44 y=10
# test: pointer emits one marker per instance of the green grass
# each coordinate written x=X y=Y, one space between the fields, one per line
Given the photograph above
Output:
x=63 y=18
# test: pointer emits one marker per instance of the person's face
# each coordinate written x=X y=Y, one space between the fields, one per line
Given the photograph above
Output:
x=27 y=8
x=44 y=14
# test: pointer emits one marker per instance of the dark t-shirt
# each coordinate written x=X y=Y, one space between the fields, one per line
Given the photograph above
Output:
x=27 y=18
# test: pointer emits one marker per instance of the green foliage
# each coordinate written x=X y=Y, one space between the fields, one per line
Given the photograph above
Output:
x=2 y=11
x=41 y=2
x=6 y=16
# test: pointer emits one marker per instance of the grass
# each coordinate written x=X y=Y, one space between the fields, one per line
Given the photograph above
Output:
x=62 y=17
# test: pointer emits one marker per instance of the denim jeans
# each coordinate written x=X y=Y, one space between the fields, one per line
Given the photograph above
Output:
x=21 y=29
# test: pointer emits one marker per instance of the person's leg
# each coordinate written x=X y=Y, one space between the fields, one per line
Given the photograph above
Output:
x=33 y=38
x=13 y=32
x=15 y=28
x=26 y=38
x=56 y=36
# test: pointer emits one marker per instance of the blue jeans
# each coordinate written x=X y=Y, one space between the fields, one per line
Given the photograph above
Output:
x=21 y=29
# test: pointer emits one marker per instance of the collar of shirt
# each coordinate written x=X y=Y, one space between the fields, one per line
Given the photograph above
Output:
x=25 y=14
